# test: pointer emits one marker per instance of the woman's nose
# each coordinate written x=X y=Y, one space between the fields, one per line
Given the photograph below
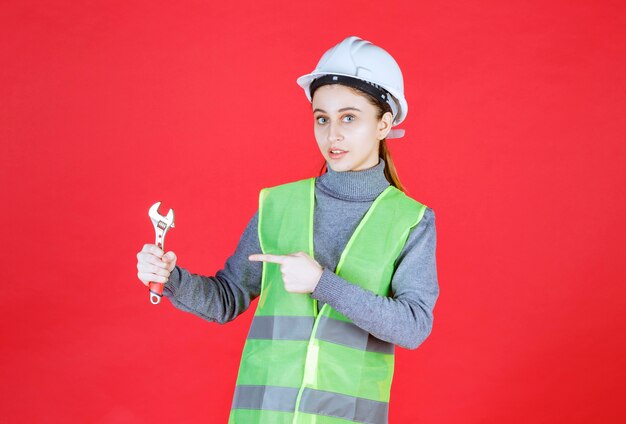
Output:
x=334 y=132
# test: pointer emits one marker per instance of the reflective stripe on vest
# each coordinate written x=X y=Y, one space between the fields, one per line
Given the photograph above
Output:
x=313 y=401
x=329 y=329
x=303 y=366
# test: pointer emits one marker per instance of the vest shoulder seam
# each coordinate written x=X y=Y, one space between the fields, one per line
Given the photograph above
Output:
x=409 y=199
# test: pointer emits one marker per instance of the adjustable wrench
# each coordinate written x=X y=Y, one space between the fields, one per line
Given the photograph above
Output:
x=161 y=225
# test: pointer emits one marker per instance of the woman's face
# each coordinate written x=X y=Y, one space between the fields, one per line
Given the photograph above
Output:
x=347 y=122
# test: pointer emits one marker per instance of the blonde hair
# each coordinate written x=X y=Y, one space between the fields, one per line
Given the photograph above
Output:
x=383 y=151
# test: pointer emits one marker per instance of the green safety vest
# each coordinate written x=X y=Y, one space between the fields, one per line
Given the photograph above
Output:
x=303 y=366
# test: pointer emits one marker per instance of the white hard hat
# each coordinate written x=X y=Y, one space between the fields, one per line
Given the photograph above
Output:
x=360 y=59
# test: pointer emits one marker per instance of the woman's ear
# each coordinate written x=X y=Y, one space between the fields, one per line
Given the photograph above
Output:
x=384 y=125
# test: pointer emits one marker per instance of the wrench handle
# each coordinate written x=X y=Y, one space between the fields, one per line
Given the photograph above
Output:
x=156 y=292
x=156 y=289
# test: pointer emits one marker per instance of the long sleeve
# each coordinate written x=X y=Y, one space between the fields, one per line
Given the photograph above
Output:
x=220 y=298
x=405 y=319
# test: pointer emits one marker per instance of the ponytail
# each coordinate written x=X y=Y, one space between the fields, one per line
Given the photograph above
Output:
x=390 y=169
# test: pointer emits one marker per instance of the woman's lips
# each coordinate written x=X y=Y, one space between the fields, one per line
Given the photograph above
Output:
x=339 y=155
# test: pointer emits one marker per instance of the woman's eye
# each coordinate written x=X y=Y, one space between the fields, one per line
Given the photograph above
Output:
x=322 y=120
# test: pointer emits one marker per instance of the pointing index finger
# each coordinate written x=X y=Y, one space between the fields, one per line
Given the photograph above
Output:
x=277 y=259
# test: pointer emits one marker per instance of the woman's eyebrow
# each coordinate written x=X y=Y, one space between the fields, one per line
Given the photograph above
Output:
x=343 y=109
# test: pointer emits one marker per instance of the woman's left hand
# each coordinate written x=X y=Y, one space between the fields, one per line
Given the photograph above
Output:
x=301 y=273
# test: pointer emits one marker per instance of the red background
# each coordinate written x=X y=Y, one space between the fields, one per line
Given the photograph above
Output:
x=515 y=137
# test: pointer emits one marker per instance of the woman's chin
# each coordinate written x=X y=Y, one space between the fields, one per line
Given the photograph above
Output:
x=337 y=166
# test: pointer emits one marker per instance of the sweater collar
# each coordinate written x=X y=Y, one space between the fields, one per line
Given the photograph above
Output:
x=363 y=185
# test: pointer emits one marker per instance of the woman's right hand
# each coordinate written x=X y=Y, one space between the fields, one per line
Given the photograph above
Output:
x=153 y=265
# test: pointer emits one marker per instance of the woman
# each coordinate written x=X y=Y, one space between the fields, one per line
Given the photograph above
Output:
x=343 y=264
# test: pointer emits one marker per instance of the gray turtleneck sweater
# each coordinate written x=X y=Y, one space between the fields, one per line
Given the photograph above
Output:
x=341 y=201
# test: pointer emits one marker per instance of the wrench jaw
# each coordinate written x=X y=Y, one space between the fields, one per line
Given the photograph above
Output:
x=154 y=210
x=164 y=222
x=161 y=223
